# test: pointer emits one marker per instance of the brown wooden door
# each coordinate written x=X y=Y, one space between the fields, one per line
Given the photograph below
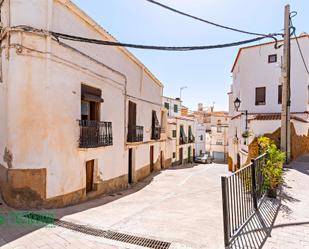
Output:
x=151 y=158
x=132 y=118
x=89 y=175
x=161 y=159
x=180 y=155
x=130 y=165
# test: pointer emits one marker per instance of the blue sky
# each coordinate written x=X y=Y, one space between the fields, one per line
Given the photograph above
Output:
x=206 y=73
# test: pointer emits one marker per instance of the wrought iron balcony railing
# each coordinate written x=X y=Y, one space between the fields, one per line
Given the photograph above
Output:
x=156 y=133
x=183 y=140
x=95 y=134
x=136 y=134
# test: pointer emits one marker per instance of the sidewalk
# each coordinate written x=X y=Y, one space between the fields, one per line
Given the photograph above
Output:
x=291 y=228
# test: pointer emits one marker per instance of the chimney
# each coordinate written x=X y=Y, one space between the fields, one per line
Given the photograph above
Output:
x=200 y=107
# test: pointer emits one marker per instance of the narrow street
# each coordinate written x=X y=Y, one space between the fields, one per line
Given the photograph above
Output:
x=179 y=205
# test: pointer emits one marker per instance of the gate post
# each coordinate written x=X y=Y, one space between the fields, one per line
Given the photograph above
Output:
x=225 y=210
x=253 y=180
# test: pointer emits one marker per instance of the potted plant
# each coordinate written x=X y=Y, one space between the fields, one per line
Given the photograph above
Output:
x=273 y=169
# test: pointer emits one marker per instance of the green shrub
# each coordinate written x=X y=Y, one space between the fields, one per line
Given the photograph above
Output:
x=273 y=169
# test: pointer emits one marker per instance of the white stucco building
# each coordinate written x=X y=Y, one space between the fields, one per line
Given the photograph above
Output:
x=181 y=130
x=200 y=139
x=216 y=137
x=257 y=84
x=76 y=119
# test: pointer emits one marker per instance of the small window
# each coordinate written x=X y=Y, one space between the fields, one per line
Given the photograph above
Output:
x=219 y=142
x=174 y=134
x=176 y=108
x=280 y=94
x=260 y=96
x=272 y=58
x=201 y=137
x=167 y=105
x=174 y=154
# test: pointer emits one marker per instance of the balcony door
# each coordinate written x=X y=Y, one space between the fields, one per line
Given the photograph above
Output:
x=90 y=103
x=132 y=121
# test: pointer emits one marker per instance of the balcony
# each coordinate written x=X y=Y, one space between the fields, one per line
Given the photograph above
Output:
x=94 y=134
x=136 y=134
x=156 y=133
x=191 y=140
x=183 y=140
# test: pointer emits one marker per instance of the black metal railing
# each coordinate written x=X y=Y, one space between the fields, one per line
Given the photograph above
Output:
x=241 y=194
x=191 y=139
x=95 y=134
x=156 y=133
x=136 y=134
x=183 y=140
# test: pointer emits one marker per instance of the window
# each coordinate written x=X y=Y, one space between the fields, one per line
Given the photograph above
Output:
x=201 y=137
x=174 y=154
x=167 y=105
x=280 y=94
x=219 y=129
x=260 y=96
x=174 y=134
x=176 y=108
x=90 y=103
x=272 y=58
x=201 y=152
x=219 y=142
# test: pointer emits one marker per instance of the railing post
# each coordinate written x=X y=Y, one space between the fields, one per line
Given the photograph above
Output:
x=253 y=180
x=225 y=210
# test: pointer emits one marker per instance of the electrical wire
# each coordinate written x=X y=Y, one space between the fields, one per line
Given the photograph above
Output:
x=211 y=23
x=58 y=36
x=298 y=45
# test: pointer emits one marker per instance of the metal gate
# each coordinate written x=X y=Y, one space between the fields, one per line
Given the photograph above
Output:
x=241 y=193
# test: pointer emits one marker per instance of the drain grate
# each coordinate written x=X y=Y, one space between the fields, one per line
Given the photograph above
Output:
x=126 y=238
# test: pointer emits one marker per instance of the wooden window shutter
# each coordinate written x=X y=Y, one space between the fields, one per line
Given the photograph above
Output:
x=260 y=96
x=280 y=94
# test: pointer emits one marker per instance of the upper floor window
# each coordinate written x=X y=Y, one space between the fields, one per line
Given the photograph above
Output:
x=272 y=58
x=167 y=105
x=280 y=94
x=219 y=142
x=176 y=108
x=260 y=96
x=90 y=103
x=174 y=134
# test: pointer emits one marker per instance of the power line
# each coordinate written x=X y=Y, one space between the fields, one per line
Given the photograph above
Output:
x=209 y=22
x=298 y=45
x=149 y=47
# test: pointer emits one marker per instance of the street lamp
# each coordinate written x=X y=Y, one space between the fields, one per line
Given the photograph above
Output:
x=237 y=104
x=181 y=89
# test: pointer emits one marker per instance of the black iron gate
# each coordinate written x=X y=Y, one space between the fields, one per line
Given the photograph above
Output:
x=241 y=193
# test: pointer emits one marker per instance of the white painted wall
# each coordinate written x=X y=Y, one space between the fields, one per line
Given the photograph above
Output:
x=200 y=139
x=172 y=103
x=43 y=98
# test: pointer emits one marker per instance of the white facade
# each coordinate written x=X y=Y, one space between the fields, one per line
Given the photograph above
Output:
x=181 y=132
x=200 y=139
x=40 y=104
x=254 y=69
x=173 y=106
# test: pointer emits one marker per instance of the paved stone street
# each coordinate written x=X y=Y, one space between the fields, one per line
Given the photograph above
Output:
x=178 y=205
x=291 y=228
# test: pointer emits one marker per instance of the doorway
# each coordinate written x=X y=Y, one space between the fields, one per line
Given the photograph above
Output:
x=89 y=175
x=189 y=154
x=130 y=167
x=161 y=159
x=151 y=158
x=238 y=161
x=180 y=155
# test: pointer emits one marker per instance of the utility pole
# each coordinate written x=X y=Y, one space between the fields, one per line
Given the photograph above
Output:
x=286 y=98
